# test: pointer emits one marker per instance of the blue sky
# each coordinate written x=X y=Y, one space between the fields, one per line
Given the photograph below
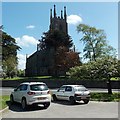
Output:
x=27 y=21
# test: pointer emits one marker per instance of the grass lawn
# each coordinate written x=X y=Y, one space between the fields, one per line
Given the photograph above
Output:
x=37 y=77
x=104 y=97
x=49 y=77
x=115 y=97
x=115 y=78
x=15 y=78
x=3 y=100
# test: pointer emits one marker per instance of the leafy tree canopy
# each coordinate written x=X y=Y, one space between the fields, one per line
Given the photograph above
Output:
x=61 y=43
x=9 y=46
x=66 y=59
x=95 y=44
x=102 y=69
x=9 y=53
x=55 y=39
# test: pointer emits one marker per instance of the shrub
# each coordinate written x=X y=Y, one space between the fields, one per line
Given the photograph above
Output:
x=102 y=69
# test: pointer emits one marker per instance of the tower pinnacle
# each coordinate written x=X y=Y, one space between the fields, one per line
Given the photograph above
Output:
x=54 y=11
x=65 y=13
x=50 y=15
x=61 y=14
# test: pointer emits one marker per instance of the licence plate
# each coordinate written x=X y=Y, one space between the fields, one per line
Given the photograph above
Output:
x=83 y=97
x=41 y=98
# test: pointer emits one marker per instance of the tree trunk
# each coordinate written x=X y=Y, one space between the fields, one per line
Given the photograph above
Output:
x=109 y=87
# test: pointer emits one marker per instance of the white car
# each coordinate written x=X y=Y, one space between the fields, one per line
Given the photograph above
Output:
x=72 y=93
x=31 y=93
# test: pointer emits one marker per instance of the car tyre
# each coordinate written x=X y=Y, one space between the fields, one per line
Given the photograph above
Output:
x=86 y=101
x=24 y=104
x=54 y=98
x=11 y=99
x=46 y=105
x=72 y=100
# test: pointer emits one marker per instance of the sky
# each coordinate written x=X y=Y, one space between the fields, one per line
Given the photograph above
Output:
x=26 y=22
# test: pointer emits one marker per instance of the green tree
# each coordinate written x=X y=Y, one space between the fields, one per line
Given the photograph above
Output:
x=118 y=68
x=61 y=43
x=95 y=43
x=55 y=39
x=21 y=73
x=9 y=54
x=101 y=69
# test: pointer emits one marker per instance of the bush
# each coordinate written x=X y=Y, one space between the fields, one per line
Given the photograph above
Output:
x=102 y=69
x=21 y=73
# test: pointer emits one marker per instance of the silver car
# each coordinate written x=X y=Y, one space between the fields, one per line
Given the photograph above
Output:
x=72 y=93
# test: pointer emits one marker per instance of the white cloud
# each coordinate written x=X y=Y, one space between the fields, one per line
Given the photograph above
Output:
x=30 y=26
x=21 y=61
x=74 y=19
x=26 y=41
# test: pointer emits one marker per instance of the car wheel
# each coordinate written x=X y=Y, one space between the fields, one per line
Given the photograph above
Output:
x=11 y=99
x=24 y=104
x=86 y=101
x=46 y=105
x=72 y=100
x=54 y=98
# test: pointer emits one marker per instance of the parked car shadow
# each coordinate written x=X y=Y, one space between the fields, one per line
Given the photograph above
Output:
x=63 y=102
x=17 y=107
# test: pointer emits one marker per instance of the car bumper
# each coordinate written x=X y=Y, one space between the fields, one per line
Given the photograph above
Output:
x=38 y=101
x=82 y=98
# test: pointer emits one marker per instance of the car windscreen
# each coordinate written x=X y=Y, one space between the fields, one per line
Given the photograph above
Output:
x=80 y=89
x=38 y=87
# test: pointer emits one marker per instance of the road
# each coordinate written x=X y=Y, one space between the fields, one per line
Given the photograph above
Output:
x=8 y=90
x=62 y=109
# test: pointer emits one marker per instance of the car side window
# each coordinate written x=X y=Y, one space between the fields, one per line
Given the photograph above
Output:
x=23 y=87
x=18 y=88
x=68 y=89
x=62 y=89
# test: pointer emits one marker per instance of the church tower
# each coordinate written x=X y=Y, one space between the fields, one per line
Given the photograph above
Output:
x=60 y=22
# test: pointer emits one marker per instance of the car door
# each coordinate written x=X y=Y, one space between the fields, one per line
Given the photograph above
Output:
x=68 y=92
x=22 y=92
x=16 y=93
x=60 y=93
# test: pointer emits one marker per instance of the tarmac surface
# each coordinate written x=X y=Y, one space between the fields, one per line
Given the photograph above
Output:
x=62 y=109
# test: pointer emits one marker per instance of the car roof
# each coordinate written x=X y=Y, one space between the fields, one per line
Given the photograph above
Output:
x=32 y=83
x=74 y=85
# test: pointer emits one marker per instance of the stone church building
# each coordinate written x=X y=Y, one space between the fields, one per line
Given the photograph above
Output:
x=42 y=62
